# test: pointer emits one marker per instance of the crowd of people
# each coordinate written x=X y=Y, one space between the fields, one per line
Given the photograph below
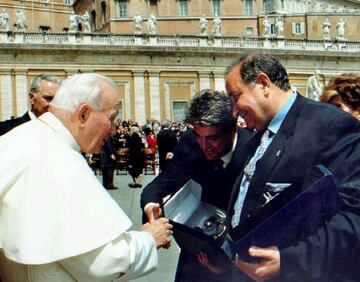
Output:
x=126 y=149
x=245 y=147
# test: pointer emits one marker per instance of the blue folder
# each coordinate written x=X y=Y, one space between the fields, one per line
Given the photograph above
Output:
x=289 y=221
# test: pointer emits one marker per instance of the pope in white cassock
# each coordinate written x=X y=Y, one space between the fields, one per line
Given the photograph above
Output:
x=57 y=222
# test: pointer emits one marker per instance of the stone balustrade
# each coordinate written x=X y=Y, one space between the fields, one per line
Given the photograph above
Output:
x=109 y=39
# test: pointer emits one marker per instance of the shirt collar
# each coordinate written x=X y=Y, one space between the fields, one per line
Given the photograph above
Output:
x=32 y=115
x=227 y=157
x=54 y=123
x=280 y=116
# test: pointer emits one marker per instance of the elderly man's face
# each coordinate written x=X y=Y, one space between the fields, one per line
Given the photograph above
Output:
x=100 y=124
x=40 y=100
x=248 y=102
x=213 y=141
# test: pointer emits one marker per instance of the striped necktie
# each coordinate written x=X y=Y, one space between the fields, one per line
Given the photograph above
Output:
x=248 y=174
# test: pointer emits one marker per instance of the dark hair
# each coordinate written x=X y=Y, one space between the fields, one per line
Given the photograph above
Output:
x=253 y=64
x=346 y=87
x=210 y=107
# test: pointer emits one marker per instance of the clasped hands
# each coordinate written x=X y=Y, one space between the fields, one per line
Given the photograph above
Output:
x=160 y=225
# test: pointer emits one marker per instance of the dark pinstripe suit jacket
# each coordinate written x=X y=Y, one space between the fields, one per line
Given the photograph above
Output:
x=313 y=133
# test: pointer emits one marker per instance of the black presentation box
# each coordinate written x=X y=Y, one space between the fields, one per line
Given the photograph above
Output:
x=290 y=216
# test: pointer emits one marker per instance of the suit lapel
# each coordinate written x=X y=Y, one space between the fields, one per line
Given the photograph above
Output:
x=25 y=117
x=267 y=164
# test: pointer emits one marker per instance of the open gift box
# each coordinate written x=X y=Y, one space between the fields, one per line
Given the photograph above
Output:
x=290 y=216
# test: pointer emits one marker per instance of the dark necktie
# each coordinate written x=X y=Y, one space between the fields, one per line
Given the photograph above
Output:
x=218 y=165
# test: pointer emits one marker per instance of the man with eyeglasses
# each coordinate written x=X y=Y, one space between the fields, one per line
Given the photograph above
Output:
x=42 y=91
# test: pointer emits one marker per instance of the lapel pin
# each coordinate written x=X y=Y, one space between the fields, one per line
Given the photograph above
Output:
x=278 y=153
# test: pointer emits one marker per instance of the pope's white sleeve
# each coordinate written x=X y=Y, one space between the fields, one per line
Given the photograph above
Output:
x=129 y=256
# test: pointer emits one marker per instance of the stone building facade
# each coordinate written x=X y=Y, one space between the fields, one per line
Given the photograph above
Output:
x=40 y=15
x=157 y=74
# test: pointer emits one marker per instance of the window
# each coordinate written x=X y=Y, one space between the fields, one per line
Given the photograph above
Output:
x=249 y=30
x=272 y=29
x=103 y=12
x=120 y=115
x=298 y=28
x=268 y=6
x=180 y=109
x=183 y=11
x=153 y=7
x=216 y=8
x=122 y=8
x=93 y=20
x=68 y=2
x=44 y=28
x=248 y=7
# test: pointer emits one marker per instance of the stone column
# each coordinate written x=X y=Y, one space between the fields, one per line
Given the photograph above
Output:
x=167 y=101
x=154 y=81
x=6 y=94
x=127 y=97
x=204 y=80
x=219 y=81
x=21 y=92
x=139 y=97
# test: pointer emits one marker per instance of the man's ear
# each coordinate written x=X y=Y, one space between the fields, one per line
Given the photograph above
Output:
x=83 y=114
x=264 y=81
x=31 y=97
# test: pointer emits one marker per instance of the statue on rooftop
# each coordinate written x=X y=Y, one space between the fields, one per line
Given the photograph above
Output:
x=267 y=27
x=203 y=25
x=20 y=21
x=340 y=27
x=73 y=22
x=280 y=27
x=326 y=29
x=217 y=26
x=151 y=23
x=138 y=20
x=85 y=20
x=4 y=20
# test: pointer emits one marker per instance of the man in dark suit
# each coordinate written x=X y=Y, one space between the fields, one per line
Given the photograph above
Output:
x=296 y=133
x=166 y=142
x=42 y=91
x=107 y=163
x=210 y=154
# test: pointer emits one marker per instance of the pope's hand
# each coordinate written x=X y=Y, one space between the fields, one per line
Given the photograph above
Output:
x=153 y=212
x=268 y=267
x=160 y=229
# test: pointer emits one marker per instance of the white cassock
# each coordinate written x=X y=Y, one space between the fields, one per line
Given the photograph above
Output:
x=57 y=222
